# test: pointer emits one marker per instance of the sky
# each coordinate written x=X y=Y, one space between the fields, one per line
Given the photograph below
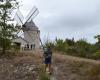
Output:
x=66 y=18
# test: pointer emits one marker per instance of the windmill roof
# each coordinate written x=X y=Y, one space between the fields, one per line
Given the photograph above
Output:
x=31 y=25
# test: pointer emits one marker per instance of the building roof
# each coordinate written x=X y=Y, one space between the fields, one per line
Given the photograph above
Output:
x=20 y=40
x=30 y=26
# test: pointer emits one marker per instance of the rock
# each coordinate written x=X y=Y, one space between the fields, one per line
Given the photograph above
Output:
x=31 y=68
x=11 y=65
x=15 y=71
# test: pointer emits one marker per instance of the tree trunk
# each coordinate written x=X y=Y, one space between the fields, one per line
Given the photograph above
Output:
x=3 y=49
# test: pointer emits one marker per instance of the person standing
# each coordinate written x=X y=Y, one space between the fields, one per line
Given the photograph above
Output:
x=48 y=59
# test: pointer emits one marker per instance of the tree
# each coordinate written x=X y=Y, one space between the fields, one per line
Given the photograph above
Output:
x=70 y=42
x=7 y=28
x=84 y=48
x=97 y=44
x=98 y=38
x=60 y=45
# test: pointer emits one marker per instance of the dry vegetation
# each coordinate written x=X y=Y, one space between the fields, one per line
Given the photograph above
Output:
x=73 y=68
x=27 y=66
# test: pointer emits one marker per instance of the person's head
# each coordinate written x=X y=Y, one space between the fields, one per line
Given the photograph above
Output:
x=48 y=47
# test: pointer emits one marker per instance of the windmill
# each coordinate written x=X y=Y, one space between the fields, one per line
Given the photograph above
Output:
x=30 y=30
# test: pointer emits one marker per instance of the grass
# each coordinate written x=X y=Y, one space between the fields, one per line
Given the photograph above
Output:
x=43 y=75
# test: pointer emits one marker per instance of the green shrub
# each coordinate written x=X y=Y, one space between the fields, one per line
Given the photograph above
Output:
x=49 y=43
x=83 y=47
x=72 y=51
x=43 y=75
x=70 y=42
x=80 y=48
x=82 y=53
x=60 y=45
x=97 y=54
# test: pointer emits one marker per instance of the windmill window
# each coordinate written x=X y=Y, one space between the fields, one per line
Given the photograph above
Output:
x=27 y=46
x=32 y=46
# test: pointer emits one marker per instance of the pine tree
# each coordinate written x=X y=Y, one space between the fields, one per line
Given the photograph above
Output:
x=7 y=28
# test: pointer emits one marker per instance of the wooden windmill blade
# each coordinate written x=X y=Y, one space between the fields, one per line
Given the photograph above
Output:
x=20 y=20
x=32 y=14
x=19 y=17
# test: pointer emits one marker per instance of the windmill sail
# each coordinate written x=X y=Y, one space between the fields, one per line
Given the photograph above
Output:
x=19 y=17
x=32 y=14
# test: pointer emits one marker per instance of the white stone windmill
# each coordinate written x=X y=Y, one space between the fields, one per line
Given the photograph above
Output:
x=31 y=32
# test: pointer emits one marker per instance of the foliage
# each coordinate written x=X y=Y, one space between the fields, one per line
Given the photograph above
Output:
x=80 y=48
x=70 y=42
x=97 y=54
x=7 y=29
x=43 y=75
x=60 y=45
x=83 y=47
x=98 y=38
x=71 y=50
x=49 y=43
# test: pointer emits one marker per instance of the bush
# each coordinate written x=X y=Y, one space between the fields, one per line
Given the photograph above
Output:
x=70 y=42
x=83 y=47
x=43 y=75
x=60 y=45
x=97 y=54
x=80 y=48
x=72 y=51
x=50 y=43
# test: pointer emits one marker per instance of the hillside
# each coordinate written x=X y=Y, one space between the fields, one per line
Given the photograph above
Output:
x=26 y=66
x=74 y=68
